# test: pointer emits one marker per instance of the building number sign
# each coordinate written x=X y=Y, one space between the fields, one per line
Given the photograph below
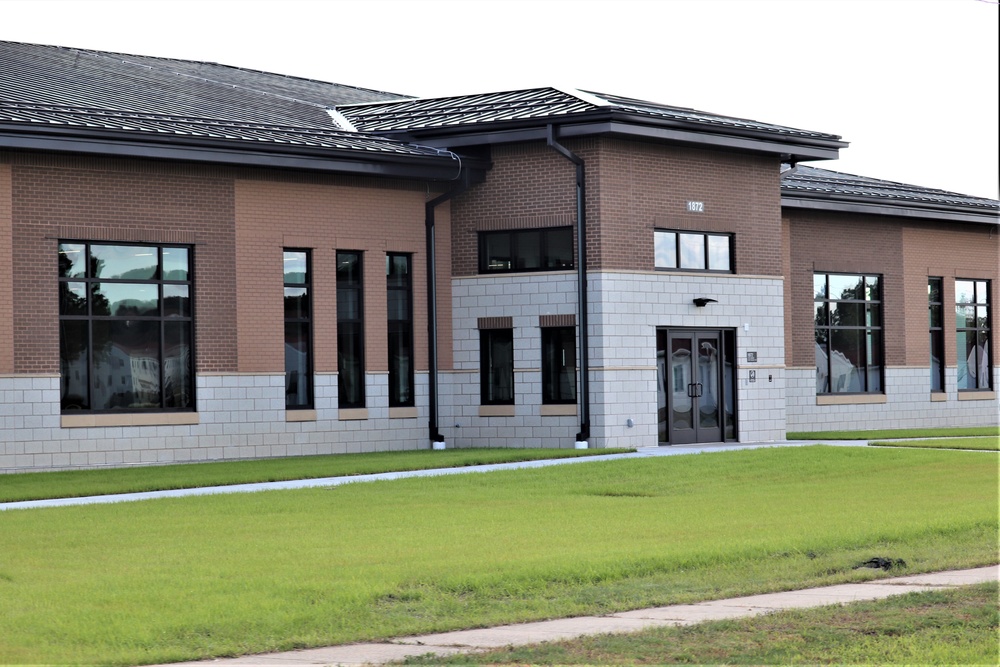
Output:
x=696 y=207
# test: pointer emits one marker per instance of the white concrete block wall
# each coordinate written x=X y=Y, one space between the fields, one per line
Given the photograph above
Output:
x=908 y=404
x=625 y=310
x=239 y=417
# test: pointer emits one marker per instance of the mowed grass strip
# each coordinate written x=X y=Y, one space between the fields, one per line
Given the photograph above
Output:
x=189 y=578
x=987 y=443
x=948 y=627
x=78 y=483
x=896 y=433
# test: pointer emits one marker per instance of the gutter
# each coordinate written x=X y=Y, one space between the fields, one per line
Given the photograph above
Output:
x=581 y=279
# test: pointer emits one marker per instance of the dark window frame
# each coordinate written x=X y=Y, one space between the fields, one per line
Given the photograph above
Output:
x=545 y=258
x=553 y=391
x=356 y=325
x=983 y=328
x=403 y=329
x=706 y=254
x=308 y=403
x=935 y=312
x=488 y=376
x=869 y=328
x=92 y=287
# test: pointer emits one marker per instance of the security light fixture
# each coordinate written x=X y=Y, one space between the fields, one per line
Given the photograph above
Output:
x=701 y=301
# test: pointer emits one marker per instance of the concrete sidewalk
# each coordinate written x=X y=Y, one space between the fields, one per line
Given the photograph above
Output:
x=465 y=641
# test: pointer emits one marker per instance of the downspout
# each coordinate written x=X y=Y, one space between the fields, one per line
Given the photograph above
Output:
x=581 y=278
x=432 y=331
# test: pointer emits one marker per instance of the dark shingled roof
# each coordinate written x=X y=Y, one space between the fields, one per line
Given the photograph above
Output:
x=540 y=104
x=805 y=183
x=52 y=91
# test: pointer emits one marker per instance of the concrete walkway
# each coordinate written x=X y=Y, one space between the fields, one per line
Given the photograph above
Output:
x=465 y=641
x=642 y=452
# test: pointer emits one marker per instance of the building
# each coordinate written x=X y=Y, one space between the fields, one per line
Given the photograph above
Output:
x=203 y=262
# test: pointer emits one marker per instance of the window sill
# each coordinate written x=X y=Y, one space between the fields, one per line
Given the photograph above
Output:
x=403 y=413
x=352 y=414
x=977 y=396
x=850 y=399
x=939 y=397
x=496 y=410
x=300 y=415
x=133 y=419
x=558 y=410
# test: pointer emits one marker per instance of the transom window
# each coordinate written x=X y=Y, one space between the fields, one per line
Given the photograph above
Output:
x=125 y=327
x=693 y=251
x=848 y=317
x=972 y=334
x=526 y=250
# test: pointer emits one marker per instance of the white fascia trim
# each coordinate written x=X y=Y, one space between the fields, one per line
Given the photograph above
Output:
x=341 y=120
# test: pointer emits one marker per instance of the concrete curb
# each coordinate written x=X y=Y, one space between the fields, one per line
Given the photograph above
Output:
x=464 y=641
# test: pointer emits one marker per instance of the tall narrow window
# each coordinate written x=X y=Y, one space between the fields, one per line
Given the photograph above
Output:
x=558 y=365
x=972 y=314
x=496 y=364
x=848 y=317
x=935 y=307
x=298 y=331
x=350 y=330
x=125 y=327
x=399 y=303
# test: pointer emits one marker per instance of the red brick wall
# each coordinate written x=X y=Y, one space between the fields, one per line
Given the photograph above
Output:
x=6 y=273
x=58 y=197
x=906 y=252
x=632 y=189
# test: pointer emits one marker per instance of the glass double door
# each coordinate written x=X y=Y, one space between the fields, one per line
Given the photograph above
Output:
x=695 y=385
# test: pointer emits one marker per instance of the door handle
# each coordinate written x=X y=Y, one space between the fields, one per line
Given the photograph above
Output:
x=700 y=389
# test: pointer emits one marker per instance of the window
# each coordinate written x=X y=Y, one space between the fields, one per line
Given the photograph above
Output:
x=350 y=331
x=399 y=298
x=125 y=327
x=848 y=315
x=693 y=251
x=558 y=365
x=935 y=306
x=972 y=315
x=526 y=250
x=496 y=350
x=298 y=330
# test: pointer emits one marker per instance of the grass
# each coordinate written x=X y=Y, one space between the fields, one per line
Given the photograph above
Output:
x=894 y=433
x=987 y=443
x=77 y=483
x=948 y=627
x=188 y=578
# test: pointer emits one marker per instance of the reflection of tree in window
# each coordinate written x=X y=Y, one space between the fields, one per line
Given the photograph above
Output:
x=848 y=333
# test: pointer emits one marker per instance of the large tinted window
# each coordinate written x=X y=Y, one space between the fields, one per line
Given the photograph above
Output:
x=126 y=328
x=848 y=322
x=526 y=250
x=972 y=334
x=496 y=350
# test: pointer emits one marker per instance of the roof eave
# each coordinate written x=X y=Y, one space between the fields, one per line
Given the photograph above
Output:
x=895 y=209
x=605 y=123
x=330 y=160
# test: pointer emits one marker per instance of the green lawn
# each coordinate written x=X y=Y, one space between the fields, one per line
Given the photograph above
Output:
x=894 y=433
x=949 y=627
x=188 y=578
x=990 y=443
x=76 y=483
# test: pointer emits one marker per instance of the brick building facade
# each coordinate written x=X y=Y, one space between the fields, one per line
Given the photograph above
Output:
x=330 y=269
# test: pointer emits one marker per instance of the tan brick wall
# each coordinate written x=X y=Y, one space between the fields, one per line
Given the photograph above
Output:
x=325 y=217
x=948 y=251
x=906 y=253
x=6 y=272
x=632 y=189
x=118 y=200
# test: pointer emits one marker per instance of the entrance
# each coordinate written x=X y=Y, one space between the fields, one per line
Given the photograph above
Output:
x=696 y=385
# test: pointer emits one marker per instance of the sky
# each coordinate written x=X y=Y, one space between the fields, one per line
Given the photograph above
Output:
x=911 y=84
